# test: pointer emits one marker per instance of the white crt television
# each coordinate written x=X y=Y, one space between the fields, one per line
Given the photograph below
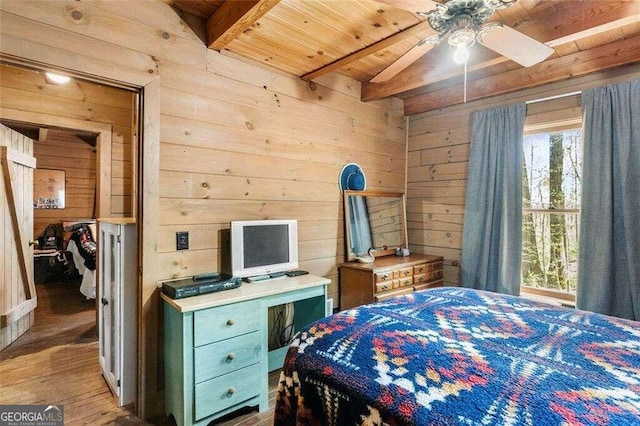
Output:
x=262 y=247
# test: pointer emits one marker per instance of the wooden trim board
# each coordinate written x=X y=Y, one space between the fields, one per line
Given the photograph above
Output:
x=18 y=312
x=6 y=155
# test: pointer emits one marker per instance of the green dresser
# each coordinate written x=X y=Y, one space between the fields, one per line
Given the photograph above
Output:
x=215 y=345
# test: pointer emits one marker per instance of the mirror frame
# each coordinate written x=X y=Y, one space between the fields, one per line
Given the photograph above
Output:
x=347 y=218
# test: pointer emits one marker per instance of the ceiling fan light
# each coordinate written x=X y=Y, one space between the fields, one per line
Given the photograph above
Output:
x=461 y=55
x=462 y=36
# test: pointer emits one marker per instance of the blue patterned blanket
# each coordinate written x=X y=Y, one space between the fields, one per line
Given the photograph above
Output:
x=453 y=356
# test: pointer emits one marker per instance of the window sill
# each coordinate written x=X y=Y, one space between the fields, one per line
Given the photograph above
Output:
x=548 y=299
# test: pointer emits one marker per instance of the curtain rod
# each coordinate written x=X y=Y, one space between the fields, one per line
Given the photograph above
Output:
x=550 y=98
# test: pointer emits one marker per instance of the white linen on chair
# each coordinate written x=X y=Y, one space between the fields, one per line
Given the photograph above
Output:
x=88 y=284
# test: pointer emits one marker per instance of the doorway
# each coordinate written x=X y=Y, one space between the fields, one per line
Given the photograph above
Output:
x=84 y=122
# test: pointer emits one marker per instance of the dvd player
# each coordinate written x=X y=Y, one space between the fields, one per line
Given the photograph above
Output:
x=200 y=284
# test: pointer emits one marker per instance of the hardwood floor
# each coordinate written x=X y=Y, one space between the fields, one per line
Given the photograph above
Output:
x=56 y=362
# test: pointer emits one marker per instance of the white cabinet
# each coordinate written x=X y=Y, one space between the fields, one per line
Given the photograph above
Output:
x=117 y=284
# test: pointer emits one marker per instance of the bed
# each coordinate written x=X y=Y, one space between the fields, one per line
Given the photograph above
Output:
x=80 y=238
x=453 y=356
x=67 y=251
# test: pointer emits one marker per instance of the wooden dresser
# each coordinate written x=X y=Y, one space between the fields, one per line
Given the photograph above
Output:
x=388 y=276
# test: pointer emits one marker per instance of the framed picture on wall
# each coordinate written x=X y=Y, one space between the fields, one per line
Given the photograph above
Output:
x=48 y=189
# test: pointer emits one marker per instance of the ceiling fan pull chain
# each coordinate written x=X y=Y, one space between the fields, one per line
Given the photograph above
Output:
x=465 y=82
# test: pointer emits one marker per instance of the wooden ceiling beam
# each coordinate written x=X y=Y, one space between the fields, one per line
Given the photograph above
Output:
x=201 y=8
x=421 y=29
x=581 y=20
x=232 y=18
x=607 y=56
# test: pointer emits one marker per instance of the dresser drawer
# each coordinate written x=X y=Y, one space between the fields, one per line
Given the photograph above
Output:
x=424 y=286
x=216 y=359
x=220 y=323
x=403 y=273
x=420 y=269
x=225 y=391
x=389 y=295
x=384 y=286
x=434 y=266
x=383 y=276
x=406 y=281
x=435 y=275
x=420 y=278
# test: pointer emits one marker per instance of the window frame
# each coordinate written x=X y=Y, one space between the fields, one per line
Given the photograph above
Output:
x=545 y=121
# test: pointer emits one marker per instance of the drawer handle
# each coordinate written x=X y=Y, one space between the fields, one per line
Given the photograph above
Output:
x=230 y=322
x=230 y=391
x=230 y=357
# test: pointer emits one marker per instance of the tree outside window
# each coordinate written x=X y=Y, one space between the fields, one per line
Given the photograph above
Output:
x=551 y=173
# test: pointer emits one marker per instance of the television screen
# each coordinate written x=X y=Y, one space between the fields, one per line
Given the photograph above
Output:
x=265 y=245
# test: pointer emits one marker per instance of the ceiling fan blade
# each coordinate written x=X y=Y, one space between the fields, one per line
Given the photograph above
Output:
x=407 y=59
x=514 y=45
x=411 y=5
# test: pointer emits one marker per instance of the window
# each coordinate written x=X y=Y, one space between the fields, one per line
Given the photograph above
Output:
x=551 y=180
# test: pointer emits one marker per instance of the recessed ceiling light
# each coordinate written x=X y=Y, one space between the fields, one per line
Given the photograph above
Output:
x=57 y=78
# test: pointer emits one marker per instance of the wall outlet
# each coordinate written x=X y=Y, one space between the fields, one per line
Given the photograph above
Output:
x=182 y=240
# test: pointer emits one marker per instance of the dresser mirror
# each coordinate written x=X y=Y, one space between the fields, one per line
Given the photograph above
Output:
x=374 y=219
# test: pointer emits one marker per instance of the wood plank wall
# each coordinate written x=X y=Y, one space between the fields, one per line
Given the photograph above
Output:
x=63 y=150
x=438 y=158
x=26 y=90
x=237 y=141
x=239 y=150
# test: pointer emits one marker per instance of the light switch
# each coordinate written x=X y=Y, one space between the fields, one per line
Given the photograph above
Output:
x=182 y=240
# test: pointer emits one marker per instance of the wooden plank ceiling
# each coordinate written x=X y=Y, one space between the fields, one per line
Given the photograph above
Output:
x=360 y=38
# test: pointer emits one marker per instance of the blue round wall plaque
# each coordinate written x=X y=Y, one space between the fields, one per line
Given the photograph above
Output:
x=352 y=178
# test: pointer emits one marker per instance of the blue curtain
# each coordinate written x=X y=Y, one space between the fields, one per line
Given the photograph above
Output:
x=609 y=258
x=492 y=236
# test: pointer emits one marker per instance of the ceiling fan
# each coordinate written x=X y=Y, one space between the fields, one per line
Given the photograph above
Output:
x=462 y=23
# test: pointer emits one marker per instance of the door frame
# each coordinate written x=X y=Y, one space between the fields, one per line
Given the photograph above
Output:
x=103 y=148
x=147 y=202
